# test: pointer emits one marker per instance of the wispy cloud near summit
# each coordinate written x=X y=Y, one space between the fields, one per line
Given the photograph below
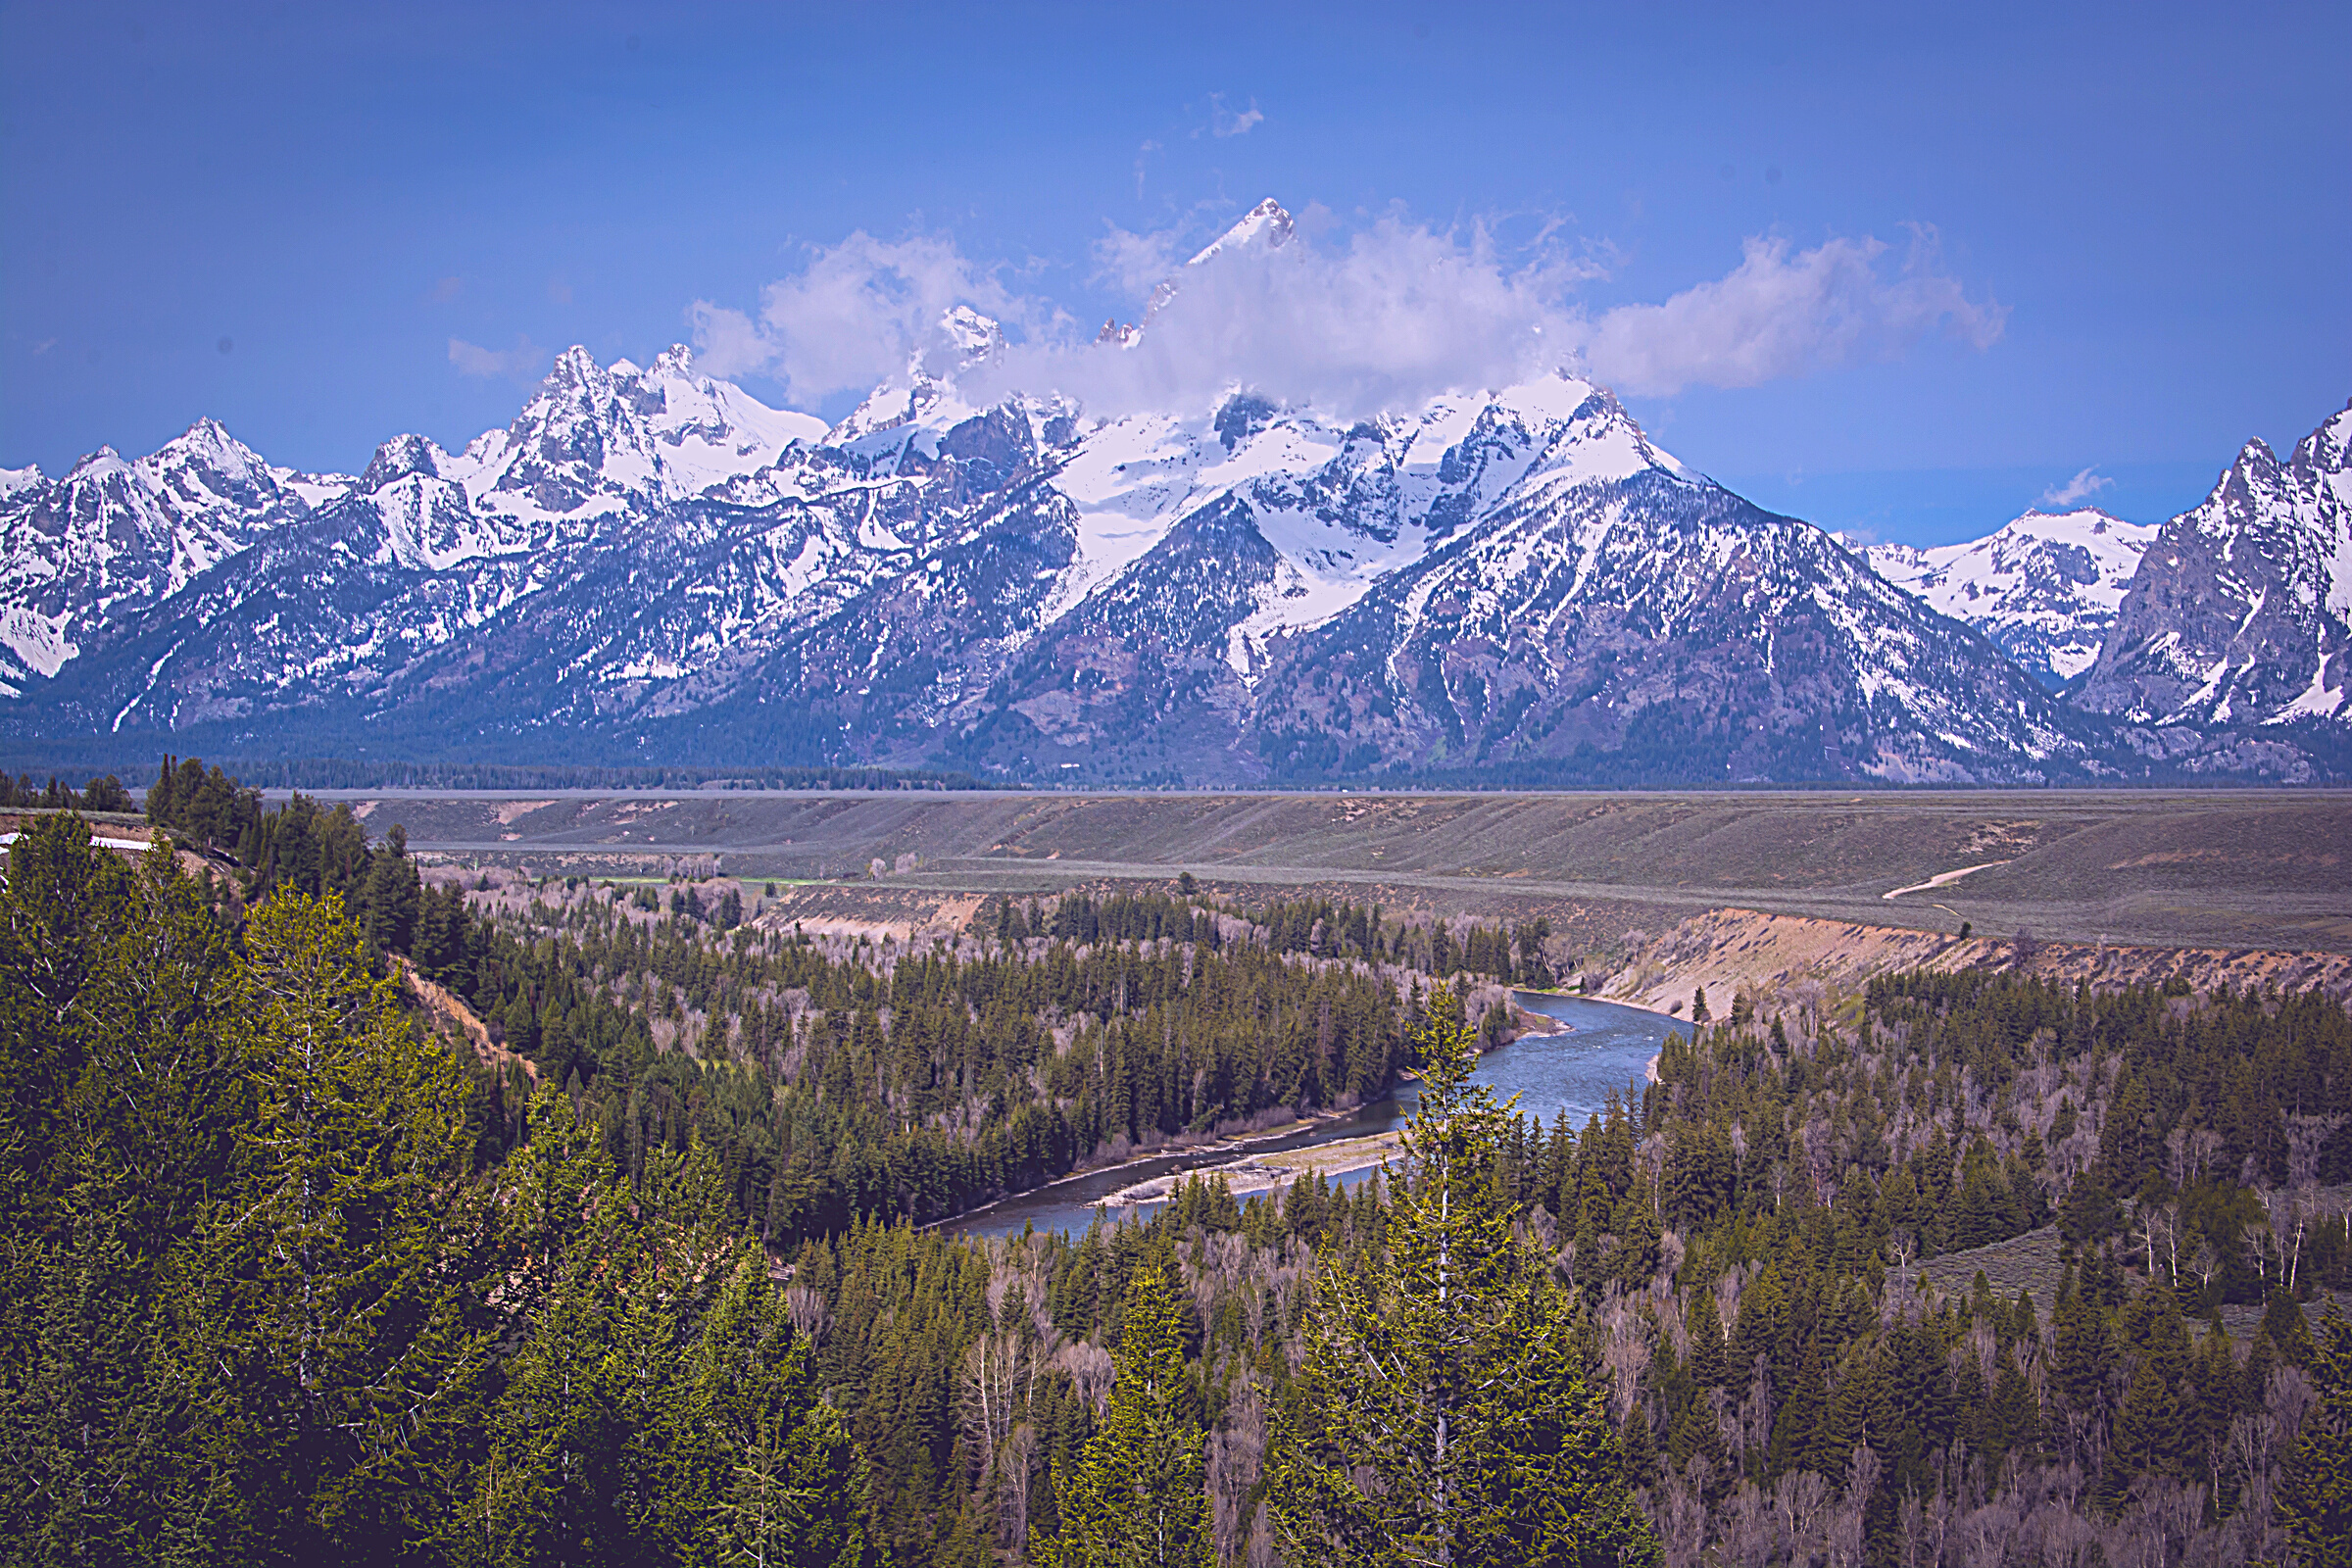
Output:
x=1781 y=313
x=523 y=363
x=2082 y=487
x=1383 y=317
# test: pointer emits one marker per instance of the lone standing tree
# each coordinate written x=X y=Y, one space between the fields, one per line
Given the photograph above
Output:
x=1442 y=1415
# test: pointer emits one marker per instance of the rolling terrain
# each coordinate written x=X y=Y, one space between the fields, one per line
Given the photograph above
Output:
x=2217 y=871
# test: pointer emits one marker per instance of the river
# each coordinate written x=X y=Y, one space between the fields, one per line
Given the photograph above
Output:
x=1605 y=1047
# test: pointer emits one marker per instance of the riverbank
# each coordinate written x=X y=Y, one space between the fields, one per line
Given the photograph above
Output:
x=1208 y=1152
x=1266 y=1173
x=1596 y=1054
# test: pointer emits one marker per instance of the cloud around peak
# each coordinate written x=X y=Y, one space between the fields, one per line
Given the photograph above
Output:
x=1375 y=318
x=2082 y=487
x=855 y=316
x=521 y=363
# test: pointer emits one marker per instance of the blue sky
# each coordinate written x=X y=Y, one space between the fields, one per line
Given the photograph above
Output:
x=2113 y=238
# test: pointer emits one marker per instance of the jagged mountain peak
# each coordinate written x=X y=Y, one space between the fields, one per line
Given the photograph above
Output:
x=104 y=460
x=207 y=443
x=970 y=335
x=1267 y=224
x=1262 y=231
x=114 y=536
x=2328 y=448
x=926 y=395
x=675 y=362
x=2241 y=610
x=401 y=456
x=575 y=367
x=596 y=440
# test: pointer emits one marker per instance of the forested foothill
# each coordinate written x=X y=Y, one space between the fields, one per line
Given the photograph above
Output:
x=288 y=1278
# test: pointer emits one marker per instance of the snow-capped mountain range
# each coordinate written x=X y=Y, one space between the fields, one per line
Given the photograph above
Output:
x=651 y=565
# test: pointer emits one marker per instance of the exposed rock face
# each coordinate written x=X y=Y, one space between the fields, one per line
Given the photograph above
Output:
x=2241 y=610
x=1724 y=951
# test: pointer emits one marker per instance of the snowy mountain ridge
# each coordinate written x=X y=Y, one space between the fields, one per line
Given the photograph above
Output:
x=2044 y=586
x=114 y=536
x=650 y=563
x=2242 y=612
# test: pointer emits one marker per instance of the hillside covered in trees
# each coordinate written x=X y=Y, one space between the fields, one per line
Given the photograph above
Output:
x=287 y=1278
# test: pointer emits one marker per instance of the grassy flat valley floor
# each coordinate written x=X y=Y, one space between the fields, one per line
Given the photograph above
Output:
x=2219 y=869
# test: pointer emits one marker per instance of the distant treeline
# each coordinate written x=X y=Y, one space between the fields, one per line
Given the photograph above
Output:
x=338 y=773
x=346 y=773
x=103 y=794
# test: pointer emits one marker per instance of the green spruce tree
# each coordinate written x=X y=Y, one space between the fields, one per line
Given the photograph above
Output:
x=2315 y=1488
x=1138 y=1497
x=1451 y=1377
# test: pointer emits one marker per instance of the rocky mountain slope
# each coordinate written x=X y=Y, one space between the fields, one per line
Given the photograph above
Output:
x=2044 y=587
x=1513 y=582
x=113 y=537
x=2241 y=610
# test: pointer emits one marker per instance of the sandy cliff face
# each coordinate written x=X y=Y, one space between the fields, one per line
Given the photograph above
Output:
x=1810 y=960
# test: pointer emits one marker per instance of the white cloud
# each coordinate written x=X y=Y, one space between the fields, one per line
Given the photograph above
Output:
x=1386 y=318
x=2082 y=487
x=854 y=318
x=521 y=363
x=1778 y=315
x=1136 y=263
x=1223 y=122
x=1398 y=313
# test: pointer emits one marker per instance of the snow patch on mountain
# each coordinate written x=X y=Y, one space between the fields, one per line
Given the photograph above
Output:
x=2044 y=587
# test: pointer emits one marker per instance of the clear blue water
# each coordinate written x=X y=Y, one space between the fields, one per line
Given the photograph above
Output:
x=1605 y=1047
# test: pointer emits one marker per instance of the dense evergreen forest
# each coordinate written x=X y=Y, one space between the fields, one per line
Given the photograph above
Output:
x=288 y=1278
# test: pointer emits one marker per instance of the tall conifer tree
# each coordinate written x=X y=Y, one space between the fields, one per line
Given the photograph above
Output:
x=2315 y=1492
x=1138 y=1496
x=1452 y=1377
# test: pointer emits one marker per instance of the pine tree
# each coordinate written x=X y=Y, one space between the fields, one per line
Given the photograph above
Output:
x=1418 y=1374
x=790 y=1486
x=1710 y=1362
x=2315 y=1488
x=117 y=1102
x=2085 y=1355
x=1799 y=1412
x=1138 y=1496
x=2282 y=1322
x=2146 y=1441
x=332 y=1348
